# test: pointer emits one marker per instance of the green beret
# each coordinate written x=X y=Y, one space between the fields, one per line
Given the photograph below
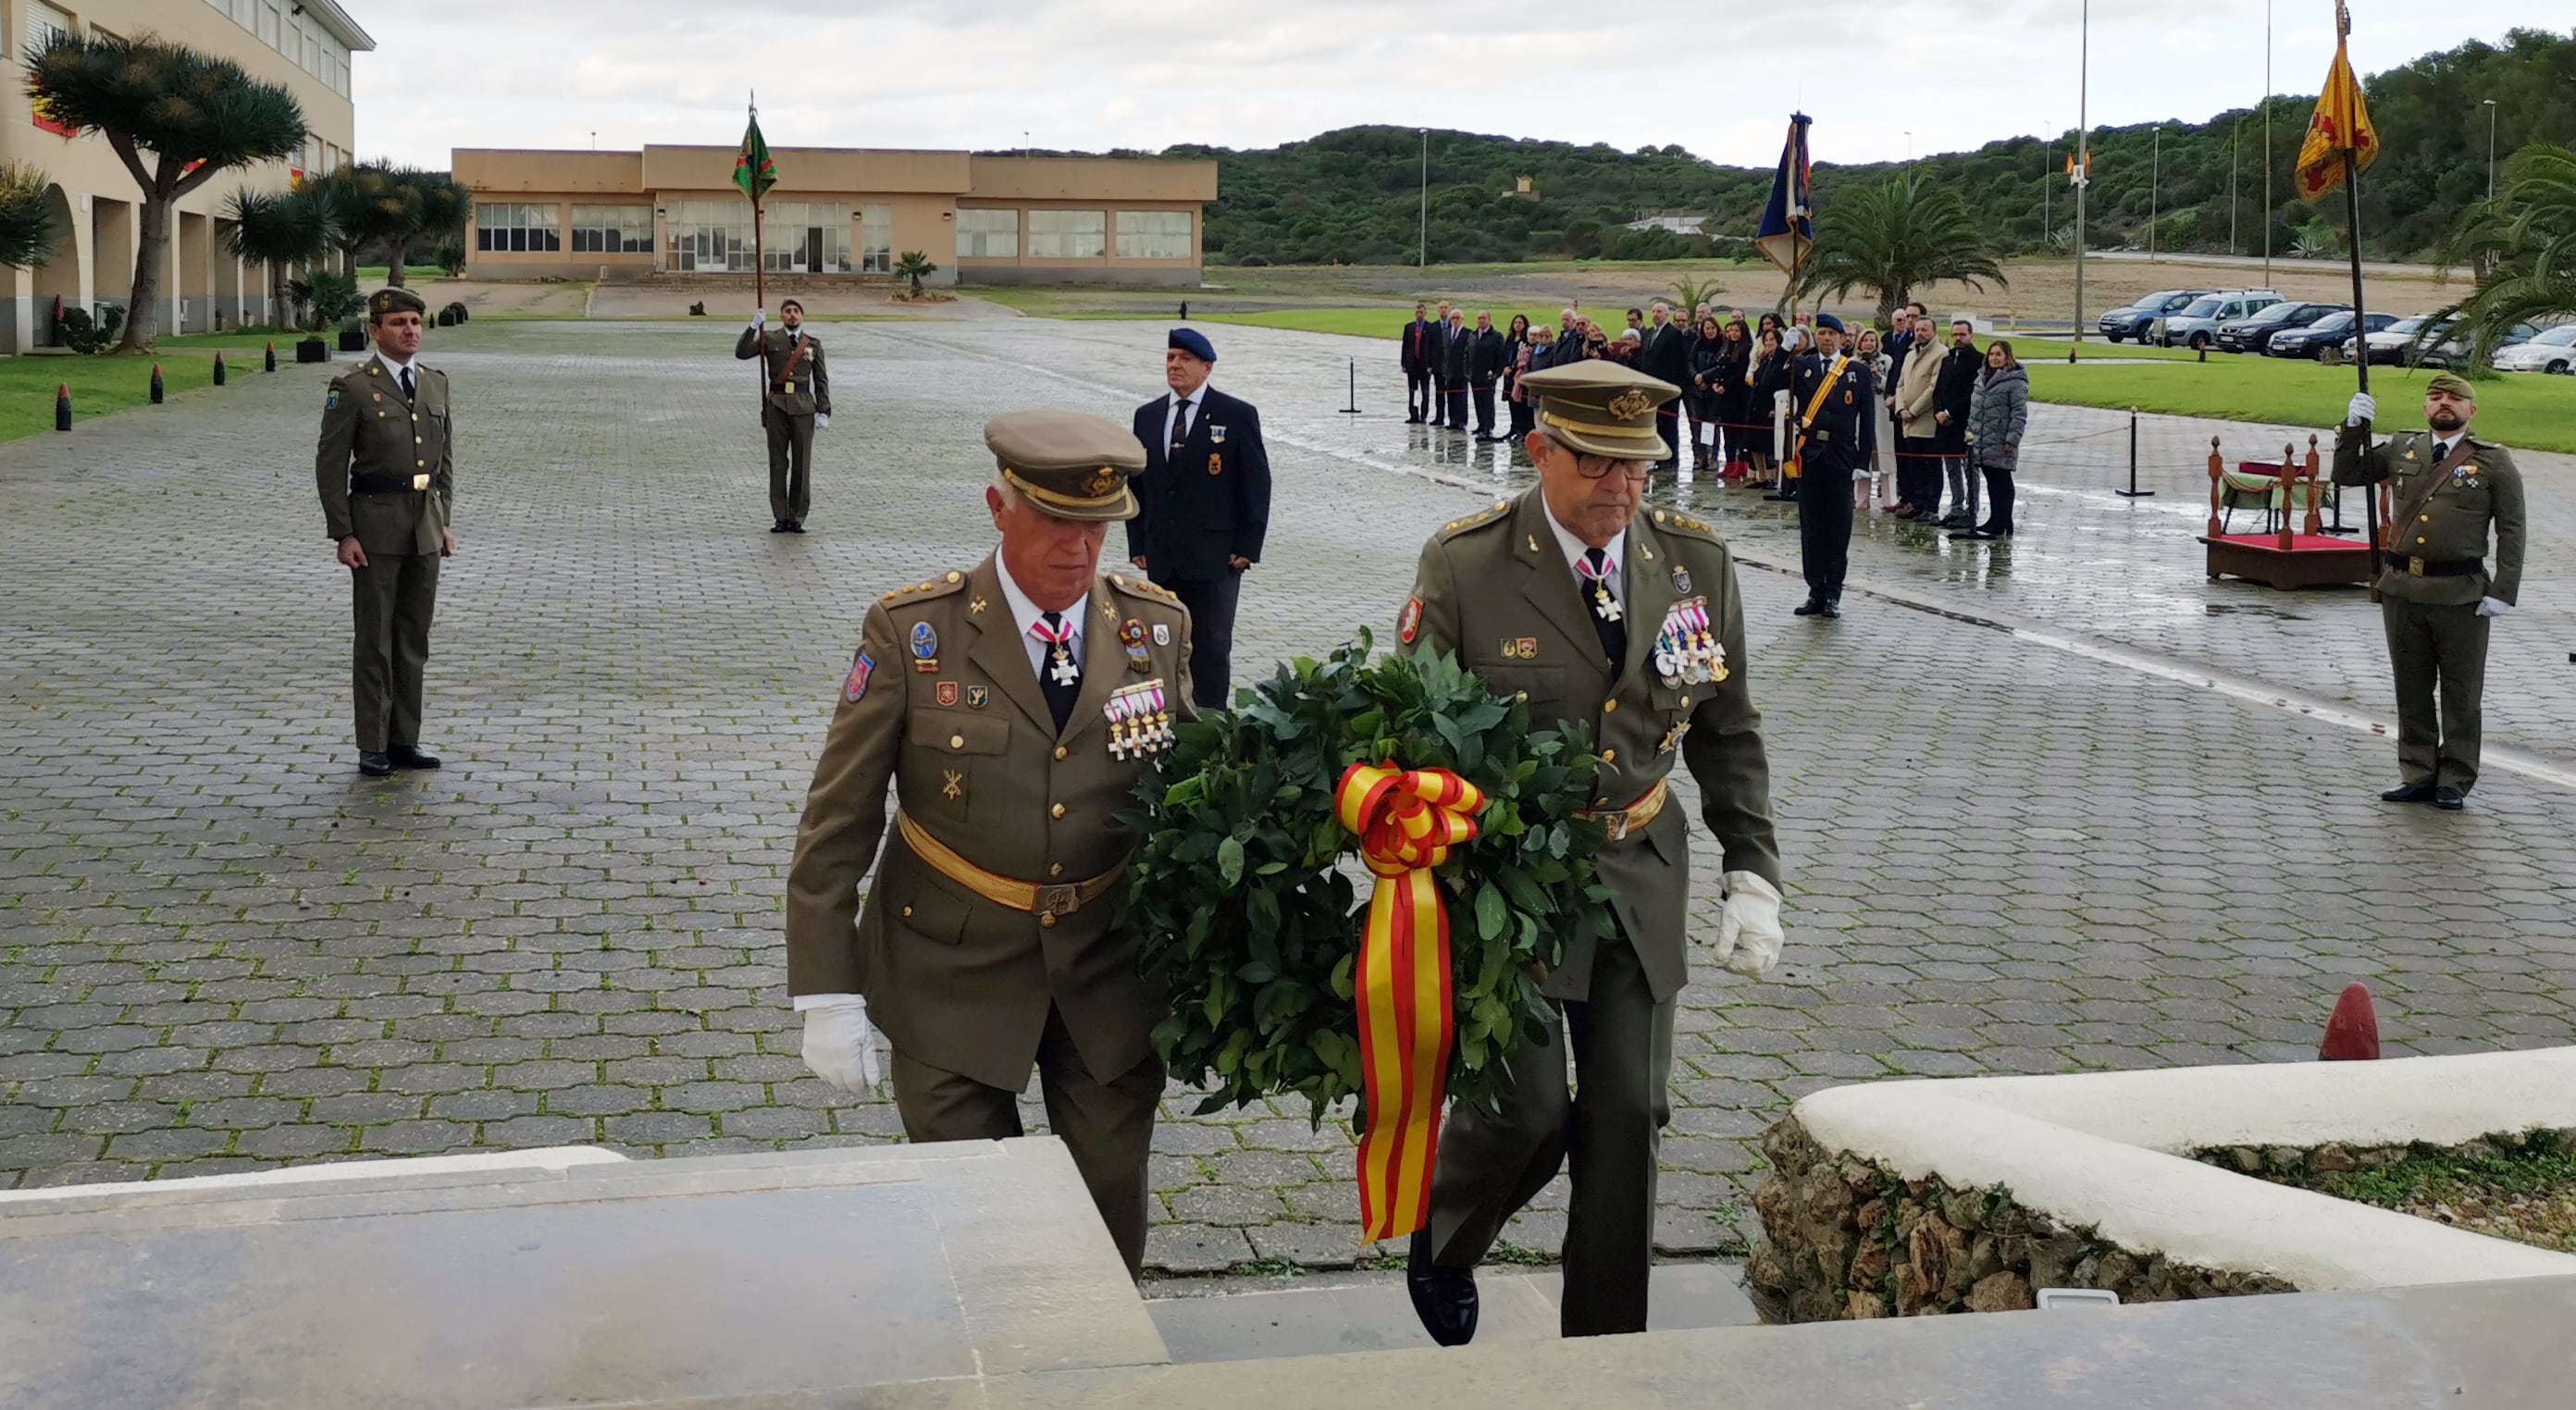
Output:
x=2456 y=386
x=1068 y=464
x=394 y=300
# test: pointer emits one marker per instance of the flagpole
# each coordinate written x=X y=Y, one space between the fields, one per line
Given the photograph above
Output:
x=759 y=261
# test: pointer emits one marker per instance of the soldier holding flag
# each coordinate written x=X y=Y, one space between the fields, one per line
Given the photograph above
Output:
x=795 y=386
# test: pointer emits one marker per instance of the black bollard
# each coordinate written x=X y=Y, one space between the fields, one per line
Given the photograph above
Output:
x=2133 y=492
x=157 y=396
x=63 y=406
x=219 y=369
x=272 y=359
x=1354 y=408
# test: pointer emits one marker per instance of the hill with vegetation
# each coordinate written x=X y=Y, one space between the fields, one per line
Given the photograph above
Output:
x=1353 y=196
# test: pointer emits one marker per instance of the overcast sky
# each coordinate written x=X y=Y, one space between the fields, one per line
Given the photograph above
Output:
x=1719 y=79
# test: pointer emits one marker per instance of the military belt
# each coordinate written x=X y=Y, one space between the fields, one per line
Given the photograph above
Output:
x=1634 y=817
x=387 y=484
x=2435 y=567
x=1045 y=902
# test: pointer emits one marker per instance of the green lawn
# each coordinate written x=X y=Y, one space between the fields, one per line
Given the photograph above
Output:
x=372 y=275
x=2521 y=410
x=102 y=385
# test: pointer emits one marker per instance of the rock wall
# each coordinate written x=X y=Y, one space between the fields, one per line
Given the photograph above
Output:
x=1846 y=1238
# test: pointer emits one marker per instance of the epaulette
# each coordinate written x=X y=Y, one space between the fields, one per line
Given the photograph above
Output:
x=940 y=586
x=1143 y=588
x=1477 y=520
x=1683 y=523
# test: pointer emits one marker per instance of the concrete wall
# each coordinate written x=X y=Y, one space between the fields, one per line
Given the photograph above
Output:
x=99 y=196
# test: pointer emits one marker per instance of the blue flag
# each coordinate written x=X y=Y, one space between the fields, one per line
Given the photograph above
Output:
x=1788 y=222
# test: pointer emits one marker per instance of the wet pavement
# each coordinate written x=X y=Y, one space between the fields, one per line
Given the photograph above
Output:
x=2023 y=831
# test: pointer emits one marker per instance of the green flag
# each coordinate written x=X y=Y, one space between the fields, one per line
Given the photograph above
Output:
x=753 y=171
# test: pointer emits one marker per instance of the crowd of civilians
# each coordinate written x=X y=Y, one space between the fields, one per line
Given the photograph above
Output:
x=1951 y=418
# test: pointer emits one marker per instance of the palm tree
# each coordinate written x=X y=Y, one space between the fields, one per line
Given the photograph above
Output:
x=1893 y=237
x=279 y=229
x=1694 y=292
x=198 y=116
x=28 y=236
x=439 y=211
x=915 y=266
x=2525 y=240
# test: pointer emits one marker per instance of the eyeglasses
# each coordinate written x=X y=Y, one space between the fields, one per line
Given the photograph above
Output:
x=1637 y=472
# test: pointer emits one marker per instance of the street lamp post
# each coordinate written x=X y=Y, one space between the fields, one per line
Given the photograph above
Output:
x=2083 y=174
x=1422 y=247
x=2047 y=193
x=2155 y=173
x=2267 y=144
x=2491 y=135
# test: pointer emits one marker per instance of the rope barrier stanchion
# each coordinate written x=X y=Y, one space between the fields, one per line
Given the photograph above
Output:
x=2133 y=492
x=1354 y=408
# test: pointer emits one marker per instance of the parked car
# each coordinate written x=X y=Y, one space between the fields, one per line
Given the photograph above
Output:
x=2256 y=333
x=2553 y=351
x=2132 y=321
x=2394 y=343
x=2196 y=325
x=2454 y=352
x=2313 y=340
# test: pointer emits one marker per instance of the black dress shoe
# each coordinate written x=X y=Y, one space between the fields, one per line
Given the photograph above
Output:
x=2409 y=793
x=779 y=527
x=1833 y=608
x=1444 y=1298
x=795 y=526
x=2450 y=800
x=408 y=756
x=1809 y=608
x=373 y=763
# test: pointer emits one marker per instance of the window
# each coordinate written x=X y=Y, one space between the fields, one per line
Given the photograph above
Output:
x=1154 y=235
x=876 y=239
x=515 y=228
x=1067 y=234
x=612 y=230
x=805 y=237
x=44 y=22
x=988 y=234
x=268 y=24
x=711 y=236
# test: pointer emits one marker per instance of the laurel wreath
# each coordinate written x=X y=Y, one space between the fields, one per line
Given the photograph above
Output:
x=1246 y=894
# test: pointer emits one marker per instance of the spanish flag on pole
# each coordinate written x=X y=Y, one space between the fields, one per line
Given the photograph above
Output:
x=2341 y=125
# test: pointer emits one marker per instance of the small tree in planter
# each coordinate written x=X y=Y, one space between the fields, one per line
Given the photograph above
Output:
x=916 y=267
x=27 y=234
x=279 y=229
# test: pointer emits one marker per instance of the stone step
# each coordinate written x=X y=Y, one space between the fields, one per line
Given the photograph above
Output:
x=1261 y=1317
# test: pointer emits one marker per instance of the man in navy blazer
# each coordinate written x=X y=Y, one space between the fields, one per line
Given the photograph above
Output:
x=1203 y=504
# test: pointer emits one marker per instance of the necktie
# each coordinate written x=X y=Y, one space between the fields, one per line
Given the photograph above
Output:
x=409 y=393
x=1061 y=679
x=1180 y=425
x=1606 y=616
x=2441 y=451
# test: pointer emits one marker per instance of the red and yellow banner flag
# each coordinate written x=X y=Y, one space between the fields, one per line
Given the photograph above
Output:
x=1407 y=821
x=2341 y=124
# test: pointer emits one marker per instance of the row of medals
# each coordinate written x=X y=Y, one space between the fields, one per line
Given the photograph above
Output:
x=1686 y=651
x=1140 y=721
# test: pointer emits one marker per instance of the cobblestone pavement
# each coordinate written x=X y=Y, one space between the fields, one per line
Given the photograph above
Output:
x=221 y=948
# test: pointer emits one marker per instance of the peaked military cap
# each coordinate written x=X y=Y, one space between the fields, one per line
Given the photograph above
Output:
x=1602 y=408
x=394 y=300
x=1068 y=464
x=2456 y=386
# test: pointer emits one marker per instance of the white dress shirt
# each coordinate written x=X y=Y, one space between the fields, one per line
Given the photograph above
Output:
x=1193 y=401
x=1028 y=614
x=1611 y=554
x=399 y=368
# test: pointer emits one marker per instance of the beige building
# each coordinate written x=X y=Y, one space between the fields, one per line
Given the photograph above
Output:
x=835 y=211
x=304 y=46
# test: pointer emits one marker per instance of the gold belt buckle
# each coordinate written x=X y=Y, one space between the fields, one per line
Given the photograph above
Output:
x=420 y=482
x=2414 y=567
x=1056 y=901
x=1617 y=822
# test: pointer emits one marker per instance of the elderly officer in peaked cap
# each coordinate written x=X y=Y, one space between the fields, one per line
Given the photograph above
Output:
x=1572 y=599
x=2436 y=592
x=1203 y=502
x=1011 y=704
x=388 y=484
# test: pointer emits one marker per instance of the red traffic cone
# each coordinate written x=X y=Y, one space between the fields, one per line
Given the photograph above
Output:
x=62 y=406
x=2352 y=1034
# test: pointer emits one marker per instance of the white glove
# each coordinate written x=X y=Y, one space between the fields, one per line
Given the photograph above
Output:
x=759 y=318
x=2493 y=606
x=840 y=1045
x=822 y=421
x=1748 y=926
x=2364 y=408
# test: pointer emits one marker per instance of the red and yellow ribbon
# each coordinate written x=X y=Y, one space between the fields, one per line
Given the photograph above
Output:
x=1407 y=822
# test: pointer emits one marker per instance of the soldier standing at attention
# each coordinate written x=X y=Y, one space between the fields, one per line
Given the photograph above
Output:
x=1011 y=705
x=1632 y=625
x=1202 y=504
x=796 y=404
x=388 y=484
x=2437 y=594
x=1837 y=421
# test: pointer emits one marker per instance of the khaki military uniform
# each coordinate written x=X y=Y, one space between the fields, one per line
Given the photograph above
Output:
x=800 y=388
x=1497 y=590
x=2431 y=583
x=387 y=478
x=970 y=990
